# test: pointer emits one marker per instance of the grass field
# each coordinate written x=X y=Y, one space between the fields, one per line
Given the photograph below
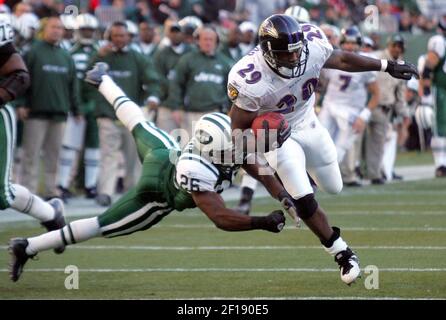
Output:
x=400 y=228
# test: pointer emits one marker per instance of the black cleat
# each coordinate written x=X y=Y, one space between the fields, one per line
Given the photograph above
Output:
x=349 y=265
x=91 y=193
x=65 y=194
x=244 y=205
x=397 y=176
x=378 y=181
x=440 y=172
x=103 y=200
x=17 y=250
x=353 y=184
x=58 y=222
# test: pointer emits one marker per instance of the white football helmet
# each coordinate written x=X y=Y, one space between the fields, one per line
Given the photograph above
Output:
x=132 y=28
x=84 y=22
x=299 y=13
x=68 y=21
x=189 y=24
x=212 y=136
x=87 y=21
x=27 y=25
x=424 y=116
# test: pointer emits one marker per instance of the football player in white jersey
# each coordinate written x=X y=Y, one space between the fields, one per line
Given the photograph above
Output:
x=344 y=110
x=280 y=75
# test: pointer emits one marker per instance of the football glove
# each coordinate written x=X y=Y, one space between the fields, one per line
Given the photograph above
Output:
x=401 y=70
x=274 y=222
x=94 y=76
x=283 y=133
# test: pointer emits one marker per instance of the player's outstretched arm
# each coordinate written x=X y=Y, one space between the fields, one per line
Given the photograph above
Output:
x=212 y=204
x=352 y=62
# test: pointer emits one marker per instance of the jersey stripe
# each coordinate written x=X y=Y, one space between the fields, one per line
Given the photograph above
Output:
x=173 y=143
x=157 y=134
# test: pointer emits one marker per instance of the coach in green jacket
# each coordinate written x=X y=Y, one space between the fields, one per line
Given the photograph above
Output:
x=52 y=95
x=134 y=73
x=198 y=85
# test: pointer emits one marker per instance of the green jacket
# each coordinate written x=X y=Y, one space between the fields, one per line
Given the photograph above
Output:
x=165 y=60
x=199 y=83
x=54 y=87
x=133 y=73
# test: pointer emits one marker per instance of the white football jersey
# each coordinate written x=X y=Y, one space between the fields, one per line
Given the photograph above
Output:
x=254 y=86
x=196 y=173
x=347 y=88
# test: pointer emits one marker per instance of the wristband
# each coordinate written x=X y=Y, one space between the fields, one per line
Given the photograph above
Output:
x=365 y=114
x=384 y=65
x=257 y=222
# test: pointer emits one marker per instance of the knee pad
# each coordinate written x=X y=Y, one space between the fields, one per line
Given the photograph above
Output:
x=306 y=206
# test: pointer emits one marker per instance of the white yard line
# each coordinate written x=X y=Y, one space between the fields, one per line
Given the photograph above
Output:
x=142 y=270
x=210 y=248
x=309 y=298
x=211 y=226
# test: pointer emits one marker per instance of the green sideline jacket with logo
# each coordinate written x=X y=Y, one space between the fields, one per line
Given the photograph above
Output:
x=199 y=83
x=131 y=71
x=54 y=87
x=165 y=60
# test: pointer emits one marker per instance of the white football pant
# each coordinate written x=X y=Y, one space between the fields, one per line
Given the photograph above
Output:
x=308 y=149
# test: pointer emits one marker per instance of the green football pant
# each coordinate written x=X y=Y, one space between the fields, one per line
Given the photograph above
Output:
x=143 y=205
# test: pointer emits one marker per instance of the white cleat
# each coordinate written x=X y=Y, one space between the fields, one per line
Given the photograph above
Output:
x=349 y=265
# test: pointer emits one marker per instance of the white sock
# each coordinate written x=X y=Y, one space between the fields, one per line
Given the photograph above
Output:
x=338 y=246
x=438 y=145
x=121 y=165
x=128 y=112
x=66 y=161
x=389 y=155
x=74 y=232
x=25 y=202
x=91 y=161
x=248 y=182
